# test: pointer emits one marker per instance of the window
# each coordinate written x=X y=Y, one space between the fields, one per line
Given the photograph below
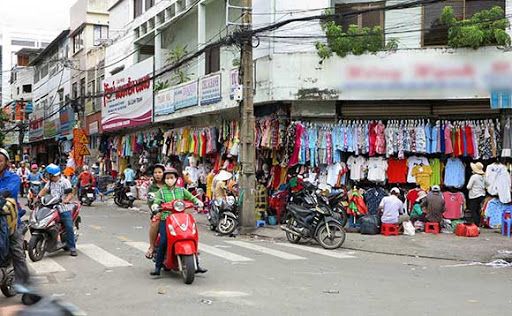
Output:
x=212 y=58
x=78 y=42
x=22 y=60
x=436 y=34
x=137 y=8
x=82 y=87
x=26 y=43
x=100 y=33
x=27 y=88
x=149 y=4
x=74 y=90
x=366 y=19
x=17 y=91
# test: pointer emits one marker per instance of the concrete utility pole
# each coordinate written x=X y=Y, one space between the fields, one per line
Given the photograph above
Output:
x=248 y=152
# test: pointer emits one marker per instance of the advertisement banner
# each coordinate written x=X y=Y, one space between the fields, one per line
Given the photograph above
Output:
x=185 y=95
x=67 y=119
x=80 y=141
x=36 y=130
x=210 y=89
x=164 y=102
x=234 y=83
x=51 y=127
x=128 y=99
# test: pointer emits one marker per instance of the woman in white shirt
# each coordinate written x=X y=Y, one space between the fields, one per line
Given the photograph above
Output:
x=476 y=187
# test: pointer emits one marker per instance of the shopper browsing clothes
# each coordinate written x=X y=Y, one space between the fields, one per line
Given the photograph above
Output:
x=434 y=206
x=476 y=194
x=391 y=208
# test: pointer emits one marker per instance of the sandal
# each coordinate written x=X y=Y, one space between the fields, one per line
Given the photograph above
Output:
x=149 y=253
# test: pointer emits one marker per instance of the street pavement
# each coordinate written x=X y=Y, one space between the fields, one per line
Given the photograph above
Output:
x=254 y=276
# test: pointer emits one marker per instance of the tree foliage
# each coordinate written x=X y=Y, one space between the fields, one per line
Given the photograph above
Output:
x=484 y=28
x=356 y=40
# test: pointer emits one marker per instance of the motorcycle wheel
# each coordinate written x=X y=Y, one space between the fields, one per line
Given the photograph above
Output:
x=117 y=201
x=341 y=214
x=227 y=225
x=88 y=202
x=30 y=299
x=7 y=287
x=291 y=223
x=335 y=239
x=188 y=267
x=36 y=248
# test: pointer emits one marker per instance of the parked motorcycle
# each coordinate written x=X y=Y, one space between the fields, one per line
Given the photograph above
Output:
x=87 y=195
x=182 y=240
x=33 y=191
x=123 y=197
x=223 y=216
x=317 y=223
x=47 y=231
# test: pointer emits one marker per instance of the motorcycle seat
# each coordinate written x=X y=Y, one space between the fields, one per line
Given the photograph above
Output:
x=299 y=209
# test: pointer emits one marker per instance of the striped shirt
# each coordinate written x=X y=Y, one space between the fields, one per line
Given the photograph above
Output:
x=57 y=188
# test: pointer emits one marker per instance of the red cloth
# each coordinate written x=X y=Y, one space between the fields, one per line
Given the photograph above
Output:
x=397 y=170
x=86 y=178
x=470 y=148
x=294 y=159
x=454 y=204
x=373 y=138
x=411 y=197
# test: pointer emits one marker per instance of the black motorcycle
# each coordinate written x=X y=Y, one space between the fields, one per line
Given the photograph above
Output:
x=87 y=195
x=317 y=222
x=123 y=196
x=223 y=216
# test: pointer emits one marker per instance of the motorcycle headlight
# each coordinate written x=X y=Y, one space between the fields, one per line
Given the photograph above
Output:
x=43 y=222
x=179 y=206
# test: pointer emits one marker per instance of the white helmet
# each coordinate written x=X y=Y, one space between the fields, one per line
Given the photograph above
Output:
x=5 y=153
x=224 y=175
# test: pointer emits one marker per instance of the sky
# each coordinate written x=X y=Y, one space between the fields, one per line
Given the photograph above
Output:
x=50 y=16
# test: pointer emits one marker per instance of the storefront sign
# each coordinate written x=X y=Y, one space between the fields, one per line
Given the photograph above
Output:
x=66 y=121
x=233 y=83
x=51 y=127
x=28 y=108
x=93 y=128
x=501 y=99
x=88 y=107
x=164 y=102
x=210 y=89
x=80 y=141
x=185 y=95
x=36 y=130
x=128 y=100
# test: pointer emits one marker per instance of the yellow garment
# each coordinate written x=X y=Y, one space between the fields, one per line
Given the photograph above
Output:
x=422 y=175
x=284 y=175
x=219 y=192
x=184 y=141
x=209 y=183
x=11 y=212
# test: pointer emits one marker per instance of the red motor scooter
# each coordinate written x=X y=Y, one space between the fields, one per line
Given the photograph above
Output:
x=47 y=231
x=182 y=240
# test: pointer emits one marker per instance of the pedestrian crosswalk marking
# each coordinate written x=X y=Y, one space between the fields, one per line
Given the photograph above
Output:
x=102 y=256
x=140 y=245
x=46 y=265
x=223 y=253
x=268 y=251
x=325 y=252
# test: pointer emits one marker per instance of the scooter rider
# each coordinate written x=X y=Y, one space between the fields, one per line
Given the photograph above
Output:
x=59 y=186
x=168 y=193
x=9 y=181
x=84 y=179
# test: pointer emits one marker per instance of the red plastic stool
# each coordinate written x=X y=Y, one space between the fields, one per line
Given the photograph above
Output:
x=432 y=228
x=389 y=229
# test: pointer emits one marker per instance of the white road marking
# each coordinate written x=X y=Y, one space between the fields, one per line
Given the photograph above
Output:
x=325 y=252
x=46 y=265
x=268 y=251
x=223 y=253
x=102 y=256
x=140 y=245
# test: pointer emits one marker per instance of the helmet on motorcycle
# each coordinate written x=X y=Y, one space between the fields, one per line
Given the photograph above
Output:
x=5 y=153
x=171 y=170
x=34 y=166
x=53 y=169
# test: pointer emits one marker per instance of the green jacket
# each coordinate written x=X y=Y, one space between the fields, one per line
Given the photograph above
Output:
x=166 y=195
x=152 y=189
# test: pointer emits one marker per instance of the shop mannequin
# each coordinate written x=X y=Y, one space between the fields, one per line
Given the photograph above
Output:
x=192 y=171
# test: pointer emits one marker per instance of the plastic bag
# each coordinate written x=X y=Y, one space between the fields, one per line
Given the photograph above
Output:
x=409 y=228
x=370 y=225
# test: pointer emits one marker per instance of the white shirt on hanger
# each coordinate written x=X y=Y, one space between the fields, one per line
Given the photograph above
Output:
x=332 y=173
x=377 y=167
x=356 y=165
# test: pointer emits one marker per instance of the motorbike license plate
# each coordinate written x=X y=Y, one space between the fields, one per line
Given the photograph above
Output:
x=90 y=195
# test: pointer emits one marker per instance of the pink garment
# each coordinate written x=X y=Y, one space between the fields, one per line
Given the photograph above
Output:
x=294 y=159
x=454 y=204
x=448 y=139
x=266 y=129
x=380 y=143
